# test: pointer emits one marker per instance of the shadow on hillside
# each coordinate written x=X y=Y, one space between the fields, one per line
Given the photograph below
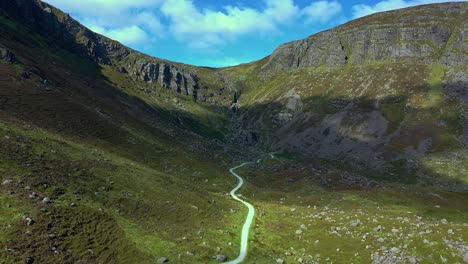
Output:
x=385 y=139
x=79 y=101
x=66 y=93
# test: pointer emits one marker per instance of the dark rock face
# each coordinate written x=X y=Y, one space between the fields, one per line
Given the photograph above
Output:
x=70 y=34
x=220 y=258
x=7 y=55
x=381 y=38
x=166 y=75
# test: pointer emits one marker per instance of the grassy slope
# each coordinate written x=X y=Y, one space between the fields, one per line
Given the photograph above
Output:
x=144 y=188
x=144 y=191
x=410 y=97
x=289 y=196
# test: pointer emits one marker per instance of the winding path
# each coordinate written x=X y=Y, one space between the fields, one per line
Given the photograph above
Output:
x=250 y=215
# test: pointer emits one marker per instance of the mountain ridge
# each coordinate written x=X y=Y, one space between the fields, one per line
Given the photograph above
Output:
x=107 y=157
x=345 y=45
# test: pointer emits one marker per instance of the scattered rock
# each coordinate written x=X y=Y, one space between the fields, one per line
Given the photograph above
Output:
x=52 y=236
x=46 y=200
x=25 y=75
x=29 y=260
x=299 y=232
x=412 y=260
x=162 y=260
x=395 y=250
x=220 y=258
x=29 y=221
x=378 y=229
x=355 y=223
x=280 y=261
x=7 y=56
x=7 y=182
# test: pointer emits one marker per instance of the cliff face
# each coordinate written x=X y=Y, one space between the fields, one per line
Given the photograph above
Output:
x=384 y=90
x=64 y=31
x=427 y=34
x=380 y=89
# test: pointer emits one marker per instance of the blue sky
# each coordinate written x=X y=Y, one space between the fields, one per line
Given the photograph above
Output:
x=217 y=33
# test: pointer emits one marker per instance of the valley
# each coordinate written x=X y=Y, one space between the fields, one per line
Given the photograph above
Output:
x=108 y=155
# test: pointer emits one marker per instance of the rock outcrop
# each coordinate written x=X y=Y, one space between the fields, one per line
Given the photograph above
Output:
x=166 y=75
x=63 y=30
x=7 y=55
x=416 y=34
x=389 y=88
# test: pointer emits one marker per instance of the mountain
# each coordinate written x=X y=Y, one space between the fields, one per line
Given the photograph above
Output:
x=108 y=155
x=380 y=91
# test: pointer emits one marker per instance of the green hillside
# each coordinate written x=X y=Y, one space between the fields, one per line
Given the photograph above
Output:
x=108 y=155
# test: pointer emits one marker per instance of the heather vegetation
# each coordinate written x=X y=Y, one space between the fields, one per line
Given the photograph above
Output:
x=111 y=156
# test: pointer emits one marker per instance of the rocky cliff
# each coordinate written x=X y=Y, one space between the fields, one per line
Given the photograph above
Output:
x=385 y=90
x=427 y=34
x=64 y=31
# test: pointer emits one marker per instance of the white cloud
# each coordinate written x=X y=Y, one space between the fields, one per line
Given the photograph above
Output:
x=205 y=28
x=151 y=22
x=361 y=10
x=130 y=22
x=321 y=11
x=102 y=7
x=281 y=11
x=137 y=22
x=127 y=35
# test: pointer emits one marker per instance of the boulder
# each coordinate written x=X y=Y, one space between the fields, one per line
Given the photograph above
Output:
x=220 y=258
x=7 y=182
x=162 y=260
x=29 y=221
x=7 y=56
x=29 y=260
x=25 y=75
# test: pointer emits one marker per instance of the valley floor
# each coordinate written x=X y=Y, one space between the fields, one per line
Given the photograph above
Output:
x=69 y=201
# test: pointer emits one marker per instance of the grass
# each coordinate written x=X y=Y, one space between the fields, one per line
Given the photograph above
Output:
x=135 y=203
x=282 y=211
x=435 y=93
x=147 y=180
